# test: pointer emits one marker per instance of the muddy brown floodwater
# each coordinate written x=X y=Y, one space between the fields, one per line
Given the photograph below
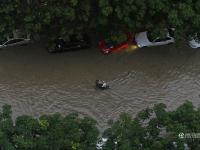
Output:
x=35 y=82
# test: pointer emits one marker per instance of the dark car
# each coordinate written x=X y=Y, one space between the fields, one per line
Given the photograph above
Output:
x=74 y=43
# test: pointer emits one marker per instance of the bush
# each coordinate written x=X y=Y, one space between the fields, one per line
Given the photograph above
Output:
x=151 y=129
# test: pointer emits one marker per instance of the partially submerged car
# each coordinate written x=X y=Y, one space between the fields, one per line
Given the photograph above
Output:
x=14 y=40
x=194 y=40
x=74 y=43
x=107 y=48
x=146 y=39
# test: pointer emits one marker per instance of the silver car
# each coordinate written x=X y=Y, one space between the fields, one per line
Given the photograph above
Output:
x=143 y=39
x=17 y=37
x=14 y=42
x=194 y=42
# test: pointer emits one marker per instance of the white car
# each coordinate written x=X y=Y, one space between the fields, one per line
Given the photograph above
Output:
x=144 y=39
x=14 y=40
x=194 y=42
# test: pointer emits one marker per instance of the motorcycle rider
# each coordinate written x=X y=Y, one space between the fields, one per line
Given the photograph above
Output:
x=101 y=83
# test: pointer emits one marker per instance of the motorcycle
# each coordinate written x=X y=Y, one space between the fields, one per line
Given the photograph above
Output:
x=102 y=85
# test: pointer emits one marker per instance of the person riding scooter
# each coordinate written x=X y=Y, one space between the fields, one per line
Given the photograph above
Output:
x=102 y=84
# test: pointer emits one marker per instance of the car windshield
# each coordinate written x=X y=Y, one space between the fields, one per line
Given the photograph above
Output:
x=163 y=37
x=151 y=37
x=162 y=40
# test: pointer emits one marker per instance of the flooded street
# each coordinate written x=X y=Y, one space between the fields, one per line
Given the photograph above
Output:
x=35 y=82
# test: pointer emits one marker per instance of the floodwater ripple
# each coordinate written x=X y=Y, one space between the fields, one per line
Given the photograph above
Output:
x=36 y=83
